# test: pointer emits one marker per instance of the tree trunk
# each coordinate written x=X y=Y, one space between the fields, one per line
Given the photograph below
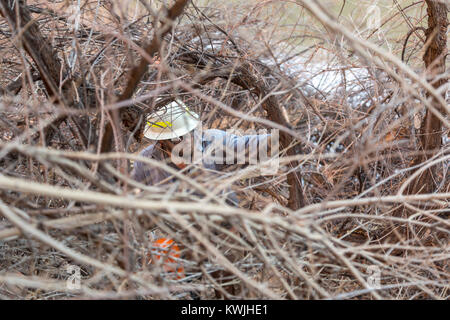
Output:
x=35 y=44
x=434 y=58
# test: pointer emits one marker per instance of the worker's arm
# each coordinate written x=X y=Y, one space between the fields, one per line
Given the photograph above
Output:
x=224 y=148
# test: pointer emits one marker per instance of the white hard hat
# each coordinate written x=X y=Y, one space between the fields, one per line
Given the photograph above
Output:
x=171 y=121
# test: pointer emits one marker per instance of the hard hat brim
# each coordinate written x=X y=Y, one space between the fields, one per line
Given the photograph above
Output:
x=159 y=127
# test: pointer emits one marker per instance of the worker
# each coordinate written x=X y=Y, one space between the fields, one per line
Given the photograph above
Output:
x=177 y=138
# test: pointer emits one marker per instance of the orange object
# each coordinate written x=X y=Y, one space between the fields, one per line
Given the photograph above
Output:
x=168 y=250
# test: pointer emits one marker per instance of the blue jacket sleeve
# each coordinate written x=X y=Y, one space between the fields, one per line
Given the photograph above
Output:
x=220 y=148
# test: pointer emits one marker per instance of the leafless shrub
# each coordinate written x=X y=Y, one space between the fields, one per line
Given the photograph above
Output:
x=335 y=217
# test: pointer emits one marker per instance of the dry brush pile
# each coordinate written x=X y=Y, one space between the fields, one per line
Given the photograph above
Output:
x=359 y=206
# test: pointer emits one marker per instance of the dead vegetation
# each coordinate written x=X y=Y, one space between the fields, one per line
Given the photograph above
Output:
x=359 y=207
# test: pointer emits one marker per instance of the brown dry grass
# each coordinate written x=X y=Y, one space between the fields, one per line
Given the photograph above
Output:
x=64 y=204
